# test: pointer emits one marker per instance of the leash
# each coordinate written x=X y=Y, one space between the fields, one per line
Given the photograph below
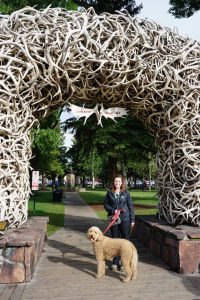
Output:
x=114 y=218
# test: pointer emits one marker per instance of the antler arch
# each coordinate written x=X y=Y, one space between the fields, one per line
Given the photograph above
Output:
x=54 y=56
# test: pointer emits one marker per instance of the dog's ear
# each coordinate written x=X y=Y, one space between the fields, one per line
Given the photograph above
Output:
x=87 y=234
x=100 y=237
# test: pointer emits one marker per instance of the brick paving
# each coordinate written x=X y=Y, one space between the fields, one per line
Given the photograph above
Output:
x=67 y=266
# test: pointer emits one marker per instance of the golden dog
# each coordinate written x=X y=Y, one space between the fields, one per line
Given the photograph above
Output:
x=105 y=247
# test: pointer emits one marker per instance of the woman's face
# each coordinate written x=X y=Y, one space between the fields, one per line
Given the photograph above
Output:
x=117 y=182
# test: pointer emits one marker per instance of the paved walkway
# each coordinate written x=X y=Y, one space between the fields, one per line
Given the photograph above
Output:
x=67 y=267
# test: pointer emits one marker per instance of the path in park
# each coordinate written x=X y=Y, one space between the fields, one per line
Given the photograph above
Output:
x=66 y=268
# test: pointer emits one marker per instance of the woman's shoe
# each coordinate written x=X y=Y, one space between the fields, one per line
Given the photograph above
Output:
x=113 y=267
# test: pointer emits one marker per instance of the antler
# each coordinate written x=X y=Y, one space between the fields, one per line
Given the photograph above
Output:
x=112 y=113
x=81 y=112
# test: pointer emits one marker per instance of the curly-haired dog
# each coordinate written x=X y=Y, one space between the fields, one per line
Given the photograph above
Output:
x=105 y=247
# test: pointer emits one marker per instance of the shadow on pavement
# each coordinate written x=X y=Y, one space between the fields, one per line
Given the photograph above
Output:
x=83 y=264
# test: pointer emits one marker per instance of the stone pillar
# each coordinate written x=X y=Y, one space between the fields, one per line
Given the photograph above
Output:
x=71 y=180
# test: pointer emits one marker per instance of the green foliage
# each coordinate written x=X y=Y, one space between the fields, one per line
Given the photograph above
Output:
x=83 y=155
x=71 y=5
x=126 y=143
x=143 y=167
x=126 y=139
x=8 y=6
x=4 y=9
x=111 y=6
x=47 y=140
x=184 y=8
x=48 y=147
x=51 y=121
x=92 y=163
x=85 y=162
x=46 y=144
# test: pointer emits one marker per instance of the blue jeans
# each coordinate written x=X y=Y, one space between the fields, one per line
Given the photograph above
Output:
x=121 y=230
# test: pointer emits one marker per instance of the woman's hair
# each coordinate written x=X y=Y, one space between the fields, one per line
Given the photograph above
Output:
x=123 y=186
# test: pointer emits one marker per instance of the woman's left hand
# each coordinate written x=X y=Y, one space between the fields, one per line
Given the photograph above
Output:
x=132 y=226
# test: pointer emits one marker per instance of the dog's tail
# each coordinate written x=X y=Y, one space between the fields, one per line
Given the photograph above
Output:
x=134 y=262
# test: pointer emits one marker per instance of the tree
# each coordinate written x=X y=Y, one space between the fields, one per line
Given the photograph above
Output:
x=8 y=6
x=145 y=168
x=47 y=146
x=116 y=143
x=184 y=8
x=111 y=6
x=123 y=142
x=84 y=157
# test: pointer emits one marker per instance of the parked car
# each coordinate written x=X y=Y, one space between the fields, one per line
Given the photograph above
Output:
x=153 y=184
x=139 y=184
x=96 y=183
x=48 y=182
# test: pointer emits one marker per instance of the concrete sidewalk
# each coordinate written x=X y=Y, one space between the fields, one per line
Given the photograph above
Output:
x=67 y=267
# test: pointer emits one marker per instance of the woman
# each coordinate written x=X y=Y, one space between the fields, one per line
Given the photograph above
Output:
x=119 y=198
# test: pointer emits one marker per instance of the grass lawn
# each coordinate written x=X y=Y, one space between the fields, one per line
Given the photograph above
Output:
x=44 y=206
x=144 y=197
x=95 y=199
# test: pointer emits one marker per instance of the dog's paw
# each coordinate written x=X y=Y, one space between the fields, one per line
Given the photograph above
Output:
x=97 y=276
x=126 y=279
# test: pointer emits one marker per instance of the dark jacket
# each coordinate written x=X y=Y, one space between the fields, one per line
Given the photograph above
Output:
x=124 y=202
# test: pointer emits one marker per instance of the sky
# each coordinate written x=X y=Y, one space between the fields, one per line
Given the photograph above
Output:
x=157 y=10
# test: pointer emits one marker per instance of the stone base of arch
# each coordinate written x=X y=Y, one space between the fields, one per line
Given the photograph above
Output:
x=178 y=246
x=20 y=250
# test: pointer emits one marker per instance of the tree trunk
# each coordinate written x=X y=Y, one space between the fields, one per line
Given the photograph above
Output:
x=53 y=178
x=84 y=181
x=93 y=180
x=149 y=176
x=112 y=168
x=123 y=170
x=43 y=181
